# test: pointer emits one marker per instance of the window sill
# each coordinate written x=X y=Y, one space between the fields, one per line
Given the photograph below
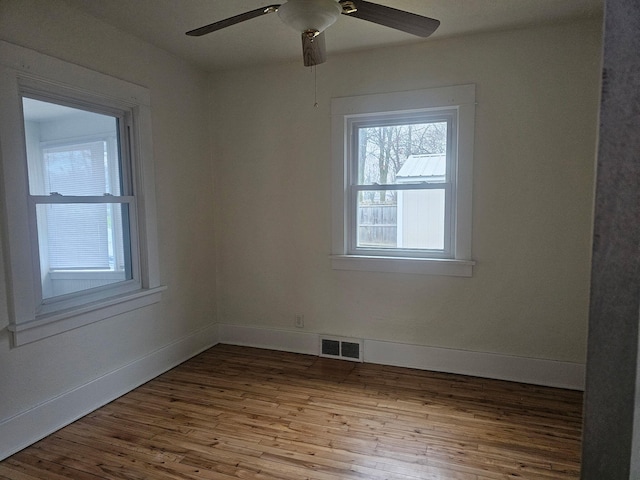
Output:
x=52 y=324
x=418 y=266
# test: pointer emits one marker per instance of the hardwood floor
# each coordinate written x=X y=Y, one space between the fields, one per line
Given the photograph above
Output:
x=244 y=413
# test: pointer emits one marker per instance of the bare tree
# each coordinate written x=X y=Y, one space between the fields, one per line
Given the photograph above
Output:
x=384 y=150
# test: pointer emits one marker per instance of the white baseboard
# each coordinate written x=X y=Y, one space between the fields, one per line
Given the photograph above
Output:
x=36 y=423
x=283 y=340
x=535 y=371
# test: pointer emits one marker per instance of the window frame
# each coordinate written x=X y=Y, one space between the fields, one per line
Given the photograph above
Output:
x=348 y=113
x=353 y=125
x=46 y=305
x=27 y=73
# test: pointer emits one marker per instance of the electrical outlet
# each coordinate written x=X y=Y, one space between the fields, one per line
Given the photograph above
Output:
x=299 y=320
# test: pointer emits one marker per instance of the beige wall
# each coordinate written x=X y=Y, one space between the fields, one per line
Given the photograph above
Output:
x=38 y=372
x=536 y=119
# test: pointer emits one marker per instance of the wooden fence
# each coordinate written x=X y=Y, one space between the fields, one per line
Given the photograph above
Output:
x=377 y=225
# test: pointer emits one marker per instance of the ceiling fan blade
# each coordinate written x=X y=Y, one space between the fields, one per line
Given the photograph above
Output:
x=233 y=20
x=390 y=17
x=314 y=50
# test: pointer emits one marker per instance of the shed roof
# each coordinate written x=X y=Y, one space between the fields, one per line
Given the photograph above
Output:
x=423 y=166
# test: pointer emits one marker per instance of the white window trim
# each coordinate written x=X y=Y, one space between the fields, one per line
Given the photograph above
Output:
x=22 y=68
x=343 y=110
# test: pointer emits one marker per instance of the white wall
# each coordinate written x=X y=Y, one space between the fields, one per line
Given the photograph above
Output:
x=80 y=364
x=537 y=93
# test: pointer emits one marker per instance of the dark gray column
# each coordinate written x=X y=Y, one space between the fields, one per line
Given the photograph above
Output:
x=612 y=365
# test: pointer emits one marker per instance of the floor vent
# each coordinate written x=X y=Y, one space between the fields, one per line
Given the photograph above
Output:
x=342 y=348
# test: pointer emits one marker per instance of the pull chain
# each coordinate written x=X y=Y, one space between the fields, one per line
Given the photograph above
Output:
x=315 y=86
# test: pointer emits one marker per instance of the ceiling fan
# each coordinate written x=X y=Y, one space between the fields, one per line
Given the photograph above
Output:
x=312 y=17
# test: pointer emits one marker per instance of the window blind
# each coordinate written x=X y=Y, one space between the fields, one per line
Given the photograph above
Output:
x=77 y=235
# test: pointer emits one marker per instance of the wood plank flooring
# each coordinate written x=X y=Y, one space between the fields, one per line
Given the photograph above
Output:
x=243 y=413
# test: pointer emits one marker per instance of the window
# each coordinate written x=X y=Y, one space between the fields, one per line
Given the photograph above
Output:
x=402 y=181
x=76 y=162
x=78 y=186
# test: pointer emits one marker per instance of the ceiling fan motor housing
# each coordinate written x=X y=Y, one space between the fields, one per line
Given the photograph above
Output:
x=310 y=15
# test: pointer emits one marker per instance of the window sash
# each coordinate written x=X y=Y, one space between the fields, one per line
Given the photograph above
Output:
x=353 y=125
x=123 y=142
x=356 y=123
x=51 y=199
x=131 y=251
x=352 y=217
x=402 y=186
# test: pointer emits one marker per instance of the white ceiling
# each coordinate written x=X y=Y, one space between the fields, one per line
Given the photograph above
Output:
x=267 y=40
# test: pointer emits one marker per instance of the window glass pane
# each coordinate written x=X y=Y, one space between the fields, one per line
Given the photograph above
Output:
x=401 y=219
x=70 y=151
x=377 y=219
x=402 y=153
x=82 y=246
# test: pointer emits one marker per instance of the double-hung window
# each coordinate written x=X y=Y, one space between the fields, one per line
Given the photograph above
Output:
x=81 y=199
x=402 y=181
x=79 y=195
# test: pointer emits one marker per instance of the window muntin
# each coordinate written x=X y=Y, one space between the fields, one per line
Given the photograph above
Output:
x=400 y=184
x=80 y=199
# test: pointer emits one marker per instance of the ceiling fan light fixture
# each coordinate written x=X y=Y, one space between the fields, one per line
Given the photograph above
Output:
x=310 y=15
x=310 y=18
